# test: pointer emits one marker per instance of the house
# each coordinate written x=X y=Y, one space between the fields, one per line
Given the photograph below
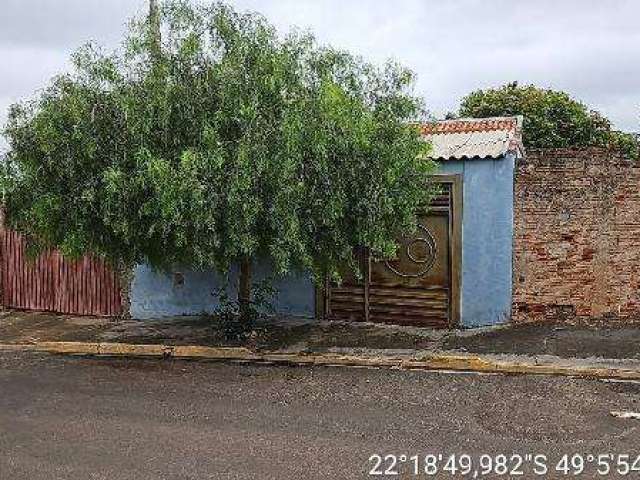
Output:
x=456 y=270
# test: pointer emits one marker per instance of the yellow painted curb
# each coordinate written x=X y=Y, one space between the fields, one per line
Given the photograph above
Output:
x=215 y=353
x=70 y=348
x=489 y=365
x=436 y=361
x=10 y=347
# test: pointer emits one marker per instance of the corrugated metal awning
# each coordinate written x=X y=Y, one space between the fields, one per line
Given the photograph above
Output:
x=474 y=138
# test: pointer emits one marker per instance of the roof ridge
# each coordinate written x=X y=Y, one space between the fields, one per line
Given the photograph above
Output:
x=464 y=125
x=474 y=137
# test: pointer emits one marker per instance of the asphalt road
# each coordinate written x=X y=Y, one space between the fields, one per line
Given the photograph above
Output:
x=79 y=418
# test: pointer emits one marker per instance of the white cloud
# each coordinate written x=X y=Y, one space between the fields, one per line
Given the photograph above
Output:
x=585 y=47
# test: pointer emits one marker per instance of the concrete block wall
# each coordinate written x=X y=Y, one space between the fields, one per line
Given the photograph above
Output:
x=577 y=236
x=156 y=294
x=487 y=238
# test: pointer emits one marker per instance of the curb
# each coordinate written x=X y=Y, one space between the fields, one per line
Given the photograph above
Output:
x=435 y=361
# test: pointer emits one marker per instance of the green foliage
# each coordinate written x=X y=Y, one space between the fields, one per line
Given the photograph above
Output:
x=217 y=142
x=552 y=119
x=627 y=143
x=226 y=316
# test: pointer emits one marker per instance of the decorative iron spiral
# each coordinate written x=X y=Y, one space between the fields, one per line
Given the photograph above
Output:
x=423 y=236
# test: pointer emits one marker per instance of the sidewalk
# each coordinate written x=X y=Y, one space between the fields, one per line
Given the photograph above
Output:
x=611 y=351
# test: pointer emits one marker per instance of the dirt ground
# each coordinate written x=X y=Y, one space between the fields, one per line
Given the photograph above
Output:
x=614 y=341
x=575 y=341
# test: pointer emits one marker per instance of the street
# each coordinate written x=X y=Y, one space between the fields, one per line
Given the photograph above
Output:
x=82 y=418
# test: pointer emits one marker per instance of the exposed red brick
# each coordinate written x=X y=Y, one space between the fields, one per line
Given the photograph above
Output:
x=577 y=236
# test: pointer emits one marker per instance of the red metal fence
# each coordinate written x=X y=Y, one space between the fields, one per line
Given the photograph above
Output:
x=53 y=283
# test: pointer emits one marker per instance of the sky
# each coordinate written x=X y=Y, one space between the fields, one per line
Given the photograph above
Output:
x=589 y=48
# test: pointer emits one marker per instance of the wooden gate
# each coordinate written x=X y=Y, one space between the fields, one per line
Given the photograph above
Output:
x=53 y=283
x=422 y=285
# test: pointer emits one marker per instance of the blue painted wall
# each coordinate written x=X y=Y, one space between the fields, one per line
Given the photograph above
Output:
x=487 y=239
x=155 y=294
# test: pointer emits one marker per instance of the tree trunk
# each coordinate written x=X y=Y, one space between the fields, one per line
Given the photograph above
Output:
x=244 y=289
x=154 y=32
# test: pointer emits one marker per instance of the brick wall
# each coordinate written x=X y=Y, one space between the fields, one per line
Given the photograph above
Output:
x=577 y=236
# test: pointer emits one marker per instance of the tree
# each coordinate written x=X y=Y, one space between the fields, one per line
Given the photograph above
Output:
x=217 y=143
x=552 y=118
